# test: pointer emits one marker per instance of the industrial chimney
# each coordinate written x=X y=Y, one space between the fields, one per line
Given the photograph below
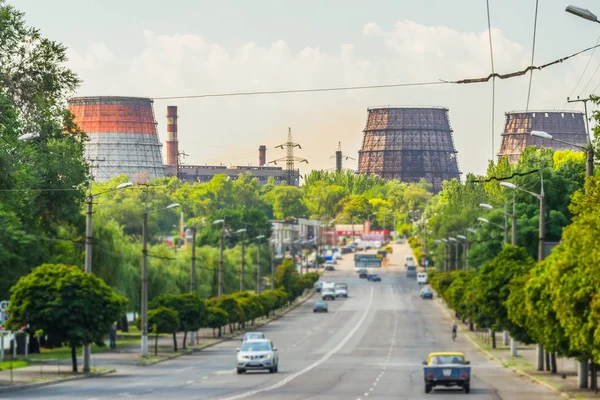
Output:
x=172 y=143
x=262 y=156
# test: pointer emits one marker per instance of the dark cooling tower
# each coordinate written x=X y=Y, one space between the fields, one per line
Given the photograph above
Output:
x=409 y=143
x=568 y=126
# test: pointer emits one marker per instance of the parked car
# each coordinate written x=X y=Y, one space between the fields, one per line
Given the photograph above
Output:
x=257 y=354
x=362 y=273
x=422 y=278
x=328 y=294
x=337 y=255
x=426 y=293
x=447 y=369
x=253 y=335
x=329 y=267
x=320 y=306
x=373 y=278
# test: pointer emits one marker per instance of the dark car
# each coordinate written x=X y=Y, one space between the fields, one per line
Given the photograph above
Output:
x=363 y=274
x=318 y=286
x=373 y=278
x=320 y=306
x=329 y=268
x=426 y=293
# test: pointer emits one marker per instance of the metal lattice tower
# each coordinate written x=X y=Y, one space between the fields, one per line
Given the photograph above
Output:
x=339 y=156
x=122 y=132
x=293 y=175
x=408 y=144
x=568 y=126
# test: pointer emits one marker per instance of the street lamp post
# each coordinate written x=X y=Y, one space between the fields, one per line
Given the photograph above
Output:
x=541 y=239
x=452 y=239
x=503 y=227
x=220 y=273
x=513 y=217
x=145 y=276
x=464 y=239
x=87 y=349
x=258 y=263
x=582 y=13
x=446 y=254
x=242 y=231
x=468 y=246
x=589 y=150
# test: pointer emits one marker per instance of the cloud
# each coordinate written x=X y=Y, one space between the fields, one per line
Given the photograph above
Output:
x=216 y=129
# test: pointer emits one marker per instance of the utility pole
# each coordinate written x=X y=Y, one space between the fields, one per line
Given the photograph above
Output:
x=145 y=285
x=514 y=221
x=220 y=285
x=258 y=267
x=541 y=256
x=273 y=267
x=290 y=159
x=589 y=165
x=87 y=350
x=243 y=265
x=193 y=277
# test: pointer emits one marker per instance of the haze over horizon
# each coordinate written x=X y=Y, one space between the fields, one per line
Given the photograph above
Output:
x=199 y=47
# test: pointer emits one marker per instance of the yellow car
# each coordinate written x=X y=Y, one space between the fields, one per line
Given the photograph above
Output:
x=447 y=369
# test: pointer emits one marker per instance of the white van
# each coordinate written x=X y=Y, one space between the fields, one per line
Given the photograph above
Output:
x=409 y=261
x=422 y=278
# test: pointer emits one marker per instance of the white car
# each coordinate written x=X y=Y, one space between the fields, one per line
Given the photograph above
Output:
x=341 y=292
x=337 y=256
x=422 y=278
x=253 y=336
x=257 y=354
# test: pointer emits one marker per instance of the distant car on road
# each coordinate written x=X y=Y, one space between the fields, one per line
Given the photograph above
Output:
x=426 y=293
x=362 y=273
x=337 y=255
x=253 y=335
x=341 y=290
x=374 y=278
x=447 y=369
x=257 y=354
x=320 y=306
x=411 y=271
x=422 y=278
x=328 y=294
x=329 y=268
x=318 y=286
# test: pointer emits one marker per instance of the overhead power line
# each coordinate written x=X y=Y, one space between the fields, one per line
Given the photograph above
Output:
x=494 y=178
x=532 y=53
x=583 y=73
x=395 y=85
x=289 y=91
x=522 y=72
x=493 y=72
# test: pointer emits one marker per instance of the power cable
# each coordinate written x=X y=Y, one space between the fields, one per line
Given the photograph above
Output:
x=582 y=73
x=532 y=53
x=288 y=91
x=522 y=72
x=493 y=72
x=494 y=178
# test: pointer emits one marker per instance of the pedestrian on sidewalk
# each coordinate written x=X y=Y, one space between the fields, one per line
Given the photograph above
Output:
x=113 y=337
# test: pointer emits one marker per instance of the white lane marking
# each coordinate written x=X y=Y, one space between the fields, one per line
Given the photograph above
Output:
x=205 y=377
x=183 y=369
x=320 y=361
x=125 y=394
x=228 y=371
x=189 y=382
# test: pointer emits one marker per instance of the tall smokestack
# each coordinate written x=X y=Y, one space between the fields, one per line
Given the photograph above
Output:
x=172 y=143
x=262 y=155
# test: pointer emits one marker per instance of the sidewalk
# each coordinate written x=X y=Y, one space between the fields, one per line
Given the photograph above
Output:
x=51 y=370
x=564 y=381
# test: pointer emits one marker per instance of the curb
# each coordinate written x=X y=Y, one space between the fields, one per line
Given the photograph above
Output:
x=229 y=337
x=495 y=358
x=54 y=382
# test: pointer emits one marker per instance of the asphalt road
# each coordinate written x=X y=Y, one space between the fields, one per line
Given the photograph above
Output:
x=369 y=346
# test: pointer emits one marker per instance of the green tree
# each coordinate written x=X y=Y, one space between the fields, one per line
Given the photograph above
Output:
x=287 y=201
x=64 y=301
x=162 y=320
x=216 y=319
x=191 y=311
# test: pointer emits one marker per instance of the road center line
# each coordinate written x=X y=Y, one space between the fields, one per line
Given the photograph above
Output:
x=320 y=361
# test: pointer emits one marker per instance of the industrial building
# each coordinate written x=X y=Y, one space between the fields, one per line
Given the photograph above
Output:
x=204 y=173
x=568 y=126
x=408 y=144
x=123 y=137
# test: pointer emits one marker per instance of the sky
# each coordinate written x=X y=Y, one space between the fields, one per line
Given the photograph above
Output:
x=194 y=47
